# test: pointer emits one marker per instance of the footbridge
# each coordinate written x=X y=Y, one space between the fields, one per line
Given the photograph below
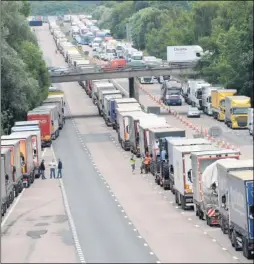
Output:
x=91 y=72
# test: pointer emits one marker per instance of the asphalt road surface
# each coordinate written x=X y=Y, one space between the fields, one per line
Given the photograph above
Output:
x=121 y=217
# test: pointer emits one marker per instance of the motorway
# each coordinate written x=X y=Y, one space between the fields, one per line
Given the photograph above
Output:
x=120 y=217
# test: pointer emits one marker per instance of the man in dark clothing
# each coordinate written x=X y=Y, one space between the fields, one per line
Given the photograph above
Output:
x=42 y=170
x=59 y=168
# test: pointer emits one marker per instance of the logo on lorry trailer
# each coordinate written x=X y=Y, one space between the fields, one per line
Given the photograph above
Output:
x=44 y=121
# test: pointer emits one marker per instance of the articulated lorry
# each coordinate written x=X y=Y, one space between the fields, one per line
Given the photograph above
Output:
x=14 y=147
x=225 y=167
x=26 y=155
x=102 y=94
x=218 y=102
x=207 y=99
x=7 y=187
x=107 y=107
x=169 y=145
x=205 y=182
x=241 y=210
x=159 y=163
x=236 y=111
x=183 y=182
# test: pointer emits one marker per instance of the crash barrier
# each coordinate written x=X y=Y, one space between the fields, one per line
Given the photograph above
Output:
x=196 y=128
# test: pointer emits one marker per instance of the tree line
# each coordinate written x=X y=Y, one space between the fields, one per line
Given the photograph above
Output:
x=24 y=75
x=225 y=28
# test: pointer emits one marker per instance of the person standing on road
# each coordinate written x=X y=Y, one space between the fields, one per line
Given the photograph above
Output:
x=52 y=166
x=133 y=161
x=42 y=170
x=59 y=169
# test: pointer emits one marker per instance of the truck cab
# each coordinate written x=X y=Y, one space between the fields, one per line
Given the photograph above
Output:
x=171 y=92
x=236 y=111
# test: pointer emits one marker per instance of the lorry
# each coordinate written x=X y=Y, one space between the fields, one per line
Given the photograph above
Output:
x=7 y=187
x=102 y=94
x=45 y=125
x=196 y=89
x=241 y=209
x=26 y=155
x=97 y=85
x=169 y=145
x=134 y=120
x=236 y=111
x=182 y=173
x=92 y=88
x=171 y=92
x=121 y=103
x=205 y=183
x=14 y=147
x=33 y=123
x=183 y=54
x=36 y=144
x=250 y=120
x=218 y=102
x=224 y=167
x=54 y=118
x=144 y=133
x=107 y=107
x=207 y=99
x=156 y=147
x=58 y=101
x=123 y=125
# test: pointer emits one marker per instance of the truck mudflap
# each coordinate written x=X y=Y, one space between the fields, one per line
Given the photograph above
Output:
x=185 y=201
x=166 y=183
x=125 y=144
x=213 y=217
x=171 y=182
x=108 y=122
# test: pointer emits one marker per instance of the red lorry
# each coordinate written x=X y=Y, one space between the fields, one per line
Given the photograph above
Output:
x=46 y=125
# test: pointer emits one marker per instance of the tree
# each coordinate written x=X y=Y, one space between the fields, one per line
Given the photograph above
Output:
x=25 y=79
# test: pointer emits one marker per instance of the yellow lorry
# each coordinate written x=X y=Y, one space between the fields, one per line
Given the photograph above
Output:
x=218 y=102
x=236 y=111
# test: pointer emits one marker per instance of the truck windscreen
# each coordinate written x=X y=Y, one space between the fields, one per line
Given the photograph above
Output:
x=137 y=57
x=240 y=111
x=172 y=91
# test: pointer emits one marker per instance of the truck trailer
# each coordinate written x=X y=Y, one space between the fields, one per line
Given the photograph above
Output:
x=224 y=167
x=241 y=209
x=107 y=107
x=7 y=187
x=183 y=183
x=170 y=143
x=205 y=183
x=26 y=155
x=14 y=147
x=218 y=102
x=102 y=94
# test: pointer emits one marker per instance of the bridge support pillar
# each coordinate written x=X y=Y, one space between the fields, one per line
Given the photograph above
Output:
x=131 y=87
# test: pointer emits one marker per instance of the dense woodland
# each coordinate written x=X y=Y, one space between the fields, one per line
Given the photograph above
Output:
x=24 y=76
x=225 y=28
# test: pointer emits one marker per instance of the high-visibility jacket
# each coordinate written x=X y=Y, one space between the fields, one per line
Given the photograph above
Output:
x=146 y=160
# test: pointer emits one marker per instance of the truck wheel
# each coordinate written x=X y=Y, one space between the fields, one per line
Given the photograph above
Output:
x=246 y=252
x=208 y=221
x=176 y=198
x=197 y=214
x=183 y=204
x=234 y=241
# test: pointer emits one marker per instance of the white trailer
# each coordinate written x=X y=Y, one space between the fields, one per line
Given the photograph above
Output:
x=195 y=98
x=159 y=122
x=182 y=173
x=207 y=99
x=224 y=167
x=184 y=54
x=123 y=125
x=205 y=182
x=250 y=120
x=7 y=186
x=101 y=86
x=171 y=142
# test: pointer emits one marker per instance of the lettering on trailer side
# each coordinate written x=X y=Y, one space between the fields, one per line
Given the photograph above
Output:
x=44 y=121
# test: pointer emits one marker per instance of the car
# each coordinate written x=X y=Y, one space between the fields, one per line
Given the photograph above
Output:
x=193 y=112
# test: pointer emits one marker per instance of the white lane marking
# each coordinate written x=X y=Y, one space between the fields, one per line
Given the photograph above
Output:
x=140 y=237
x=205 y=233
x=12 y=208
x=145 y=245
x=130 y=223
x=234 y=257
x=151 y=253
x=71 y=222
x=214 y=240
x=224 y=249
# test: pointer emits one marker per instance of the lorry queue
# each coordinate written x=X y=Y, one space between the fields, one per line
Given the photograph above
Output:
x=215 y=182
x=21 y=151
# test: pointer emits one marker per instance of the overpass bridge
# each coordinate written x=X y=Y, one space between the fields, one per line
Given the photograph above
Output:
x=94 y=72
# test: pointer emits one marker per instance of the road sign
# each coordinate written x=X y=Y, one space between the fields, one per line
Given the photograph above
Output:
x=215 y=132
